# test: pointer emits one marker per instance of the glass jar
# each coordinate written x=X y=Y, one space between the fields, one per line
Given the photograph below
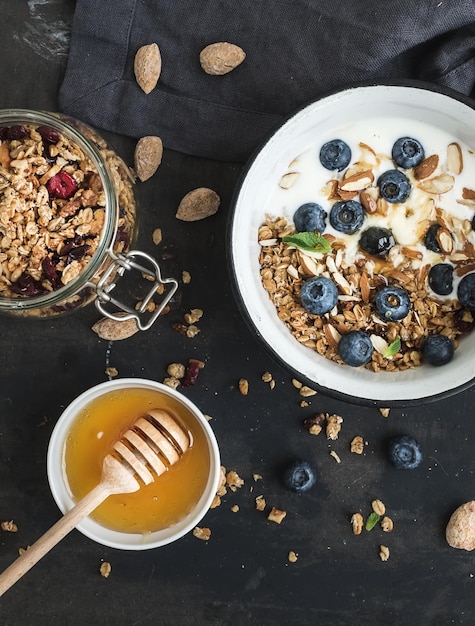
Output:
x=67 y=222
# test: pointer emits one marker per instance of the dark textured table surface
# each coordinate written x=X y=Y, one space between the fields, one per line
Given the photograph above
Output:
x=242 y=574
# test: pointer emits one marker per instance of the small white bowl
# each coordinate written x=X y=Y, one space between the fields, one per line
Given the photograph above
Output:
x=417 y=103
x=89 y=527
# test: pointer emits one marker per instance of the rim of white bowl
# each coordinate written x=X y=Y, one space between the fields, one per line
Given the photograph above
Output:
x=354 y=385
x=89 y=527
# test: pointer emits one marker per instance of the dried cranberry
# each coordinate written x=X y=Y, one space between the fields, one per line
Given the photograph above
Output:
x=47 y=154
x=464 y=321
x=61 y=185
x=3 y=132
x=77 y=253
x=192 y=371
x=122 y=236
x=48 y=135
x=49 y=269
x=17 y=132
x=26 y=285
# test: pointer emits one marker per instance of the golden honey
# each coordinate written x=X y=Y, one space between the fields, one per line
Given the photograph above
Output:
x=159 y=505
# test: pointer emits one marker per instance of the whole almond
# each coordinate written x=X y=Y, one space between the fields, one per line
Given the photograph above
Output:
x=460 y=531
x=198 y=204
x=147 y=67
x=114 y=330
x=148 y=156
x=426 y=167
x=221 y=57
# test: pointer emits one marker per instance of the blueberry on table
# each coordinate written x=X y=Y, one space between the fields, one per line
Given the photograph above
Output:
x=299 y=476
x=405 y=452
x=355 y=348
x=310 y=218
x=318 y=295
x=392 y=303
x=437 y=349
x=441 y=278
x=376 y=240
x=394 y=186
x=335 y=155
x=466 y=292
x=407 y=152
x=347 y=216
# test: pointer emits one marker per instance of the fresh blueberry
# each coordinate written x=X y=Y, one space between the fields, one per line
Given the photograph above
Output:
x=394 y=186
x=310 y=217
x=407 y=152
x=335 y=155
x=299 y=476
x=392 y=303
x=347 y=216
x=355 y=348
x=319 y=295
x=466 y=292
x=473 y=222
x=376 y=240
x=437 y=349
x=441 y=278
x=405 y=452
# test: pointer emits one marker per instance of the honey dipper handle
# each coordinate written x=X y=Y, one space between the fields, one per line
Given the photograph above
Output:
x=52 y=537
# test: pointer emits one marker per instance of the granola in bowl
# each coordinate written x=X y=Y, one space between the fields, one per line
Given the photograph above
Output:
x=344 y=252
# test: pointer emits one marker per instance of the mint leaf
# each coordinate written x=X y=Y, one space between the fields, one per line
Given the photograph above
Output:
x=393 y=347
x=373 y=519
x=310 y=242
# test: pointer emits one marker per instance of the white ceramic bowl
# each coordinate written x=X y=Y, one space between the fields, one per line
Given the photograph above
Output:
x=325 y=118
x=92 y=529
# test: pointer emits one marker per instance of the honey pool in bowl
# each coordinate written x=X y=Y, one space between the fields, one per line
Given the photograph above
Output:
x=157 y=513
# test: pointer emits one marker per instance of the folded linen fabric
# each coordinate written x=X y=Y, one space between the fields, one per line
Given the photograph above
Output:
x=296 y=50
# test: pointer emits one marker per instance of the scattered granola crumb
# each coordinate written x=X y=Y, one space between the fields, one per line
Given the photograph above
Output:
x=296 y=383
x=207 y=417
x=233 y=480
x=357 y=445
x=378 y=507
x=314 y=423
x=260 y=503
x=244 y=386
x=186 y=277
x=306 y=392
x=387 y=524
x=256 y=477
x=172 y=382
x=215 y=502
x=192 y=331
x=105 y=569
x=333 y=428
x=357 y=523
x=292 y=556
x=384 y=412
x=276 y=515
x=235 y=508
x=303 y=404
x=193 y=316
x=23 y=550
x=112 y=372
x=176 y=370
x=9 y=527
x=202 y=533
x=383 y=553
x=335 y=456
x=157 y=236
x=221 y=491
x=266 y=377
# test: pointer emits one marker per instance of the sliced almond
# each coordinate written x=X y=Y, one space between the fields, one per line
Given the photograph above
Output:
x=437 y=185
x=288 y=180
x=369 y=198
x=358 y=181
x=379 y=344
x=4 y=156
x=445 y=240
x=454 y=158
x=332 y=335
x=342 y=283
x=365 y=287
x=308 y=265
x=426 y=167
x=468 y=194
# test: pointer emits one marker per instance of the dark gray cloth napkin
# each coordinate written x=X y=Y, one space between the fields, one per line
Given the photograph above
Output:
x=296 y=50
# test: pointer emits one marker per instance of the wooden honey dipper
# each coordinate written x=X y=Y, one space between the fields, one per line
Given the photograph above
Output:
x=145 y=451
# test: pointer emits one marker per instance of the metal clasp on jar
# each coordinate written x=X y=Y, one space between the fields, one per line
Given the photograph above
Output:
x=115 y=271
